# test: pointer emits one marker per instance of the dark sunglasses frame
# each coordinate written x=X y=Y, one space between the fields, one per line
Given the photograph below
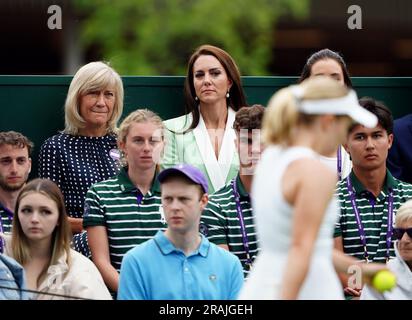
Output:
x=399 y=232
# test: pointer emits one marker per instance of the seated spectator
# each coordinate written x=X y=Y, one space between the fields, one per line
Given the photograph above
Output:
x=204 y=137
x=228 y=217
x=12 y=277
x=400 y=155
x=370 y=196
x=15 y=166
x=125 y=210
x=180 y=263
x=85 y=152
x=329 y=63
x=401 y=266
x=40 y=242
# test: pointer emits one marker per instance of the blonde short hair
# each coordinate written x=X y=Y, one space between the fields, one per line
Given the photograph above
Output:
x=92 y=76
x=404 y=213
x=138 y=116
x=282 y=114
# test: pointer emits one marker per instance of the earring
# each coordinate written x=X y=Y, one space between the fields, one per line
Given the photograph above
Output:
x=227 y=95
x=196 y=98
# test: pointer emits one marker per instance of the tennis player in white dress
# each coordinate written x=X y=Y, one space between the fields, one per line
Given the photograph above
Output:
x=293 y=193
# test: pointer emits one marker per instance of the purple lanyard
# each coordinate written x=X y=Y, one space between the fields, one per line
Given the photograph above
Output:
x=139 y=197
x=242 y=224
x=10 y=217
x=339 y=163
x=359 y=223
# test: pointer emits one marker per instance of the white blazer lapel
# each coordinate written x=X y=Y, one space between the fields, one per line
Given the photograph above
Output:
x=208 y=154
x=228 y=148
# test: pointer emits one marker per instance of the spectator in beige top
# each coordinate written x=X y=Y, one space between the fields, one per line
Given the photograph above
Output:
x=40 y=242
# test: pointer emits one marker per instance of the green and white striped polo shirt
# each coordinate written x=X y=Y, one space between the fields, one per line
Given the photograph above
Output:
x=373 y=214
x=6 y=219
x=129 y=217
x=220 y=222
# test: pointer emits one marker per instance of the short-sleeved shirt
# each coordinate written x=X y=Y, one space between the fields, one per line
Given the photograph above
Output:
x=6 y=217
x=373 y=213
x=129 y=217
x=157 y=270
x=75 y=163
x=220 y=221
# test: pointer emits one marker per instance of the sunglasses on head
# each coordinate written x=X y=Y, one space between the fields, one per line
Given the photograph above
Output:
x=398 y=232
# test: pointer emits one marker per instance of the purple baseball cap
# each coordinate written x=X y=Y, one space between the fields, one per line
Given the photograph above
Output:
x=187 y=170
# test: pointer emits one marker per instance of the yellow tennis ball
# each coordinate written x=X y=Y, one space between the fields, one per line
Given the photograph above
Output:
x=384 y=280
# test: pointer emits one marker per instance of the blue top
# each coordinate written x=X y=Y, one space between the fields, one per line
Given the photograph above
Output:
x=157 y=270
x=12 y=276
x=400 y=154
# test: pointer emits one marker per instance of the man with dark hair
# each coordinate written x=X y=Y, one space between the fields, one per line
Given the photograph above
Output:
x=180 y=263
x=228 y=217
x=15 y=166
x=370 y=196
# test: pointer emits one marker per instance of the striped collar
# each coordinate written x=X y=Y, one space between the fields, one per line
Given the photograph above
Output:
x=390 y=182
x=127 y=186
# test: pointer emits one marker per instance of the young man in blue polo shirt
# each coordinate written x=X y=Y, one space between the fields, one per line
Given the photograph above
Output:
x=180 y=263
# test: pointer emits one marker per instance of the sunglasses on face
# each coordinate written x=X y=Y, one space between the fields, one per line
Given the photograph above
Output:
x=398 y=232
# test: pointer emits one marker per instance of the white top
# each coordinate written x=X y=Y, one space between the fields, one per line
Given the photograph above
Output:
x=332 y=162
x=273 y=217
x=195 y=148
x=403 y=289
x=81 y=279
x=218 y=169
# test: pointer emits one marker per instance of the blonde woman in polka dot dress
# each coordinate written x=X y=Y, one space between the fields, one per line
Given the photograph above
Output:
x=85 y=152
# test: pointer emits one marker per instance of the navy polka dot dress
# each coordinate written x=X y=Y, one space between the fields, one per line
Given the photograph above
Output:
x=74 y=163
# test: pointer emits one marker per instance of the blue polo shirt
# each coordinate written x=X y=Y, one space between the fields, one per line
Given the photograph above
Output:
x=157 y=270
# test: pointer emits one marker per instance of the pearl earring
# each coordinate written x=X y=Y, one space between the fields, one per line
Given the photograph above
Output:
x=227 y=95
x=196 y=98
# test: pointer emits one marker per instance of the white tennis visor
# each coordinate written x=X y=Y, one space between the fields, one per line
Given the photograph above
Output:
x=347 y=105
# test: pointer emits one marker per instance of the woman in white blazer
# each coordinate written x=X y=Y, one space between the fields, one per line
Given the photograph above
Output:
x=204 y=136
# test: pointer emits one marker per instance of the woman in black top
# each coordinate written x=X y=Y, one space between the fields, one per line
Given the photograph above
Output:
x=86 y=151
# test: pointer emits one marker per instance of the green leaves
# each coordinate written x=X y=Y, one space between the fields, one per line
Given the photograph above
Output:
x=156 y=37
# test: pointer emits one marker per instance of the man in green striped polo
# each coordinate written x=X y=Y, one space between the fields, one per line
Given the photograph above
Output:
x=130 y=217
x=228 y=217
x=370 y=195
x=15 y=166
x=126 y=210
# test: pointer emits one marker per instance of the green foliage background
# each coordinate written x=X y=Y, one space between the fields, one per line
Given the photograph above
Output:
x=156 y=37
